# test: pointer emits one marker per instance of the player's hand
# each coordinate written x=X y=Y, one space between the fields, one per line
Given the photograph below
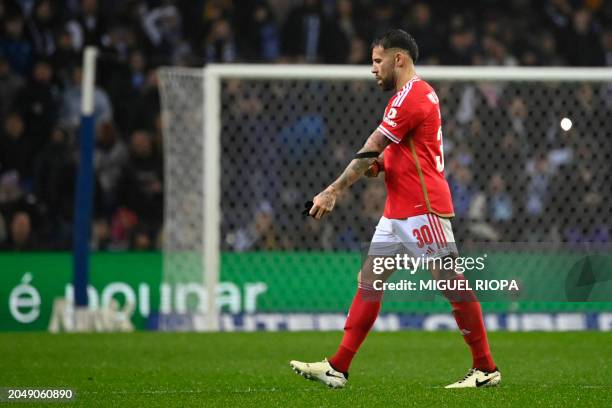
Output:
x=323 y=203
x=374 y=169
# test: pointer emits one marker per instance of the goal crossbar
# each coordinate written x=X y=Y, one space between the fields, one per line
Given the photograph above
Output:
x=457 y=73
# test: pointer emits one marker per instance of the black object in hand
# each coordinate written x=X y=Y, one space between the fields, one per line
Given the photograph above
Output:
x=307 y=206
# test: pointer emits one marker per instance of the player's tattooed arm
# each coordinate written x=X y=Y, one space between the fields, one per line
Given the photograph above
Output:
x=324 y=202
x=357 y=167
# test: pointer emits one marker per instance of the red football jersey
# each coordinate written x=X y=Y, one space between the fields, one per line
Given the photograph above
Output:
x=414 y=162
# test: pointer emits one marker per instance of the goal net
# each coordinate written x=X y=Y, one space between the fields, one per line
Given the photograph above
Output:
x=527 y=156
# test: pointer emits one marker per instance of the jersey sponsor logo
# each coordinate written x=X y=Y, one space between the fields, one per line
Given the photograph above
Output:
x=389 y=122
x=390 y=115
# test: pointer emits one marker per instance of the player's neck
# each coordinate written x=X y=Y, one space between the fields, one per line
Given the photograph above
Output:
x=403 y=78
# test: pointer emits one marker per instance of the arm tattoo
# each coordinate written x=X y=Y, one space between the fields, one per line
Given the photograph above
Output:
x=352 y=173
x=357 y=167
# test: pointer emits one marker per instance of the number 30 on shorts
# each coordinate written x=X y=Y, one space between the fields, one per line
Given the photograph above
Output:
x=423 y=236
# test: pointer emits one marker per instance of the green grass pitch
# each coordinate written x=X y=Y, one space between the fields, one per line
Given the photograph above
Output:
x=251 y=369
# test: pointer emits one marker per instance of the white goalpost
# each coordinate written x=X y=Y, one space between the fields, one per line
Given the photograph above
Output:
x=202 y=110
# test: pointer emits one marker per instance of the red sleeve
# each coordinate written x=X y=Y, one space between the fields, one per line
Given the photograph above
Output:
x=403 y=113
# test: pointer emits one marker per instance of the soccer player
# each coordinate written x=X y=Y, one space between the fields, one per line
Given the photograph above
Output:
x=407 y=146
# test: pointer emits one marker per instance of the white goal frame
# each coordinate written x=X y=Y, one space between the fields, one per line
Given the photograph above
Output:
x=213 y=74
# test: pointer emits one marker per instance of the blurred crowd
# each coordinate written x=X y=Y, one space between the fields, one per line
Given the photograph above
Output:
x=41 y=44
x=515 y=173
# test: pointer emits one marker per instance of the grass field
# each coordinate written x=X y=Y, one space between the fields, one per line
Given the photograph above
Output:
x=251 y=369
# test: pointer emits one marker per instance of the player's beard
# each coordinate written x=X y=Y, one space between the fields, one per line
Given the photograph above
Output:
x=388 y=83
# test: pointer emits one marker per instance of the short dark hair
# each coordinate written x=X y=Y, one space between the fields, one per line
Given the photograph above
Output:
x=397 y=38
